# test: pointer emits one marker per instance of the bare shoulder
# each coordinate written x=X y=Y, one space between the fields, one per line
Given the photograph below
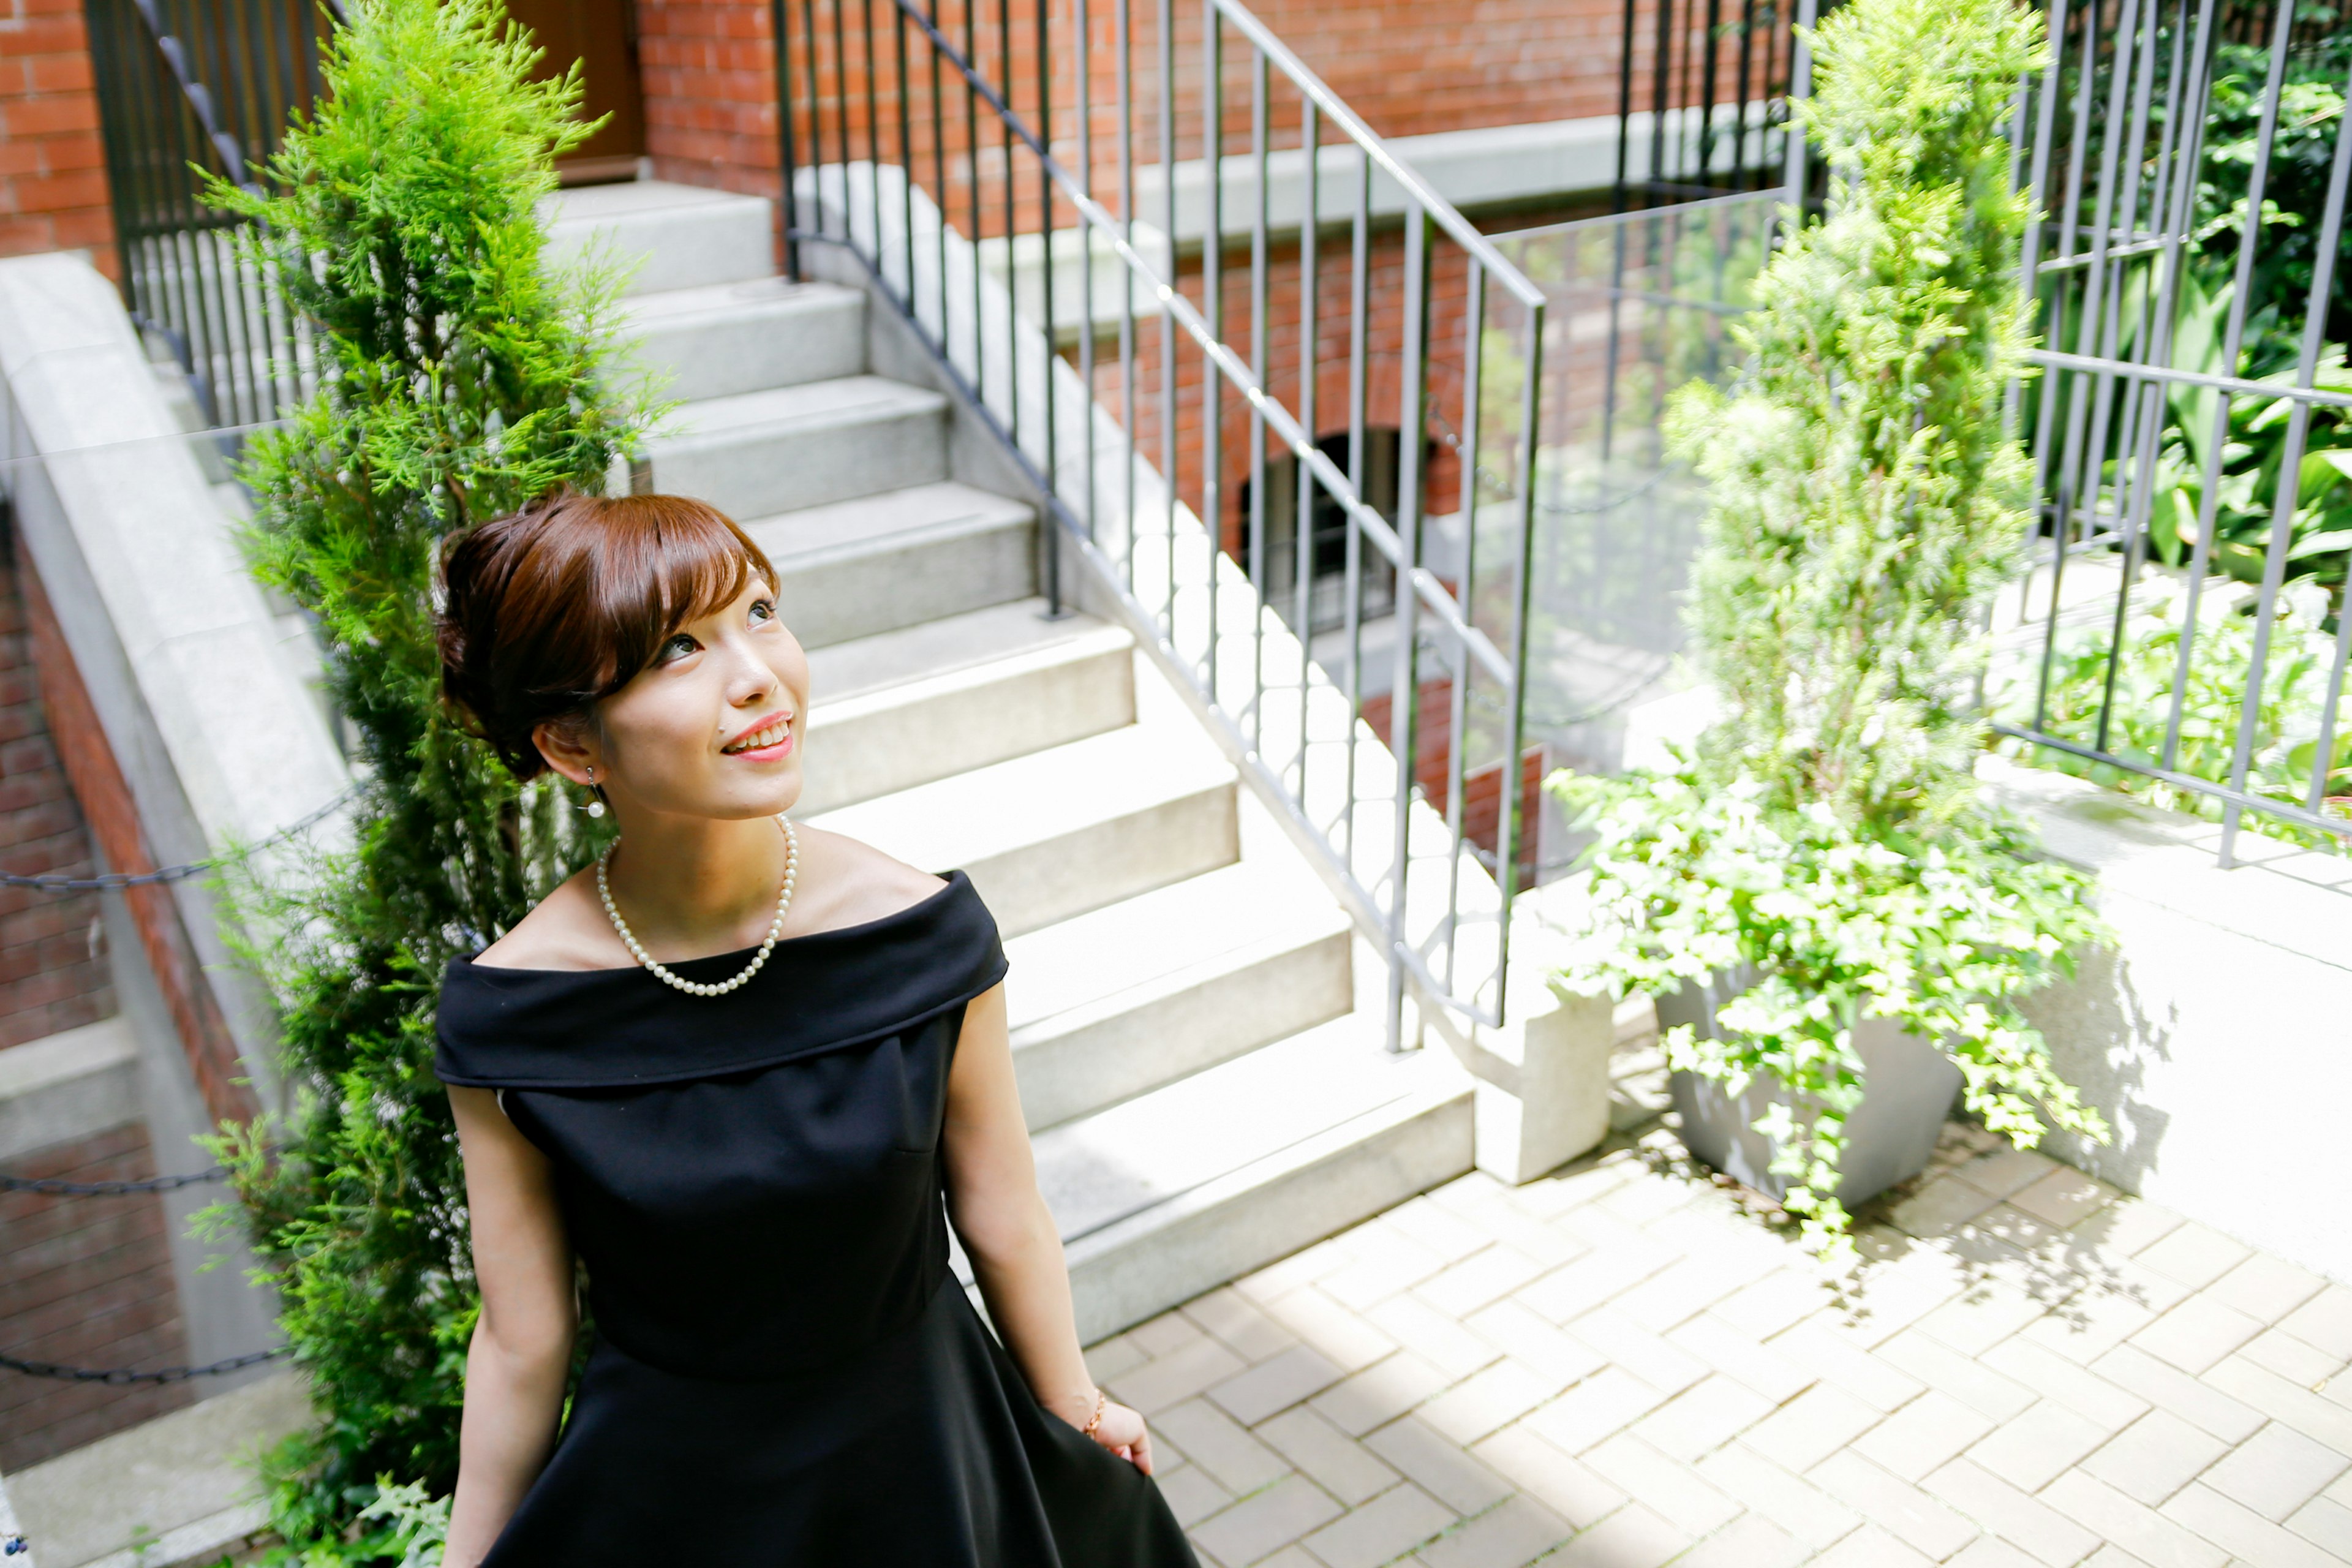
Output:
x=844 y=881
x=566 y=930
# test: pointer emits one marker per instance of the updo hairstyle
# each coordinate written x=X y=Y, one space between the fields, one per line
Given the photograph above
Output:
x=548 y=611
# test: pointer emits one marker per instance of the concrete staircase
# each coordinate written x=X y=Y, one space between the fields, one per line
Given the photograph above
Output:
x=1207 y=1091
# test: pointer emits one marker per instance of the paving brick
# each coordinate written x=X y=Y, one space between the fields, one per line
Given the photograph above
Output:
x=2125 y=1229
x=1267 y=1521
x=1193 y=1494
x=2196 y=1333
x=1648 y=1198
x=1743 y=1358
x=2155 y=1457
x=1811 y=1426
x=2002 y=1510
x=2276 y=1471
x=2267 y=1289
x=1568 y=1487
x=2168 y=1388
x=1211 y=1439
x=1990 y=1551
x=2136 y=1527
x=1788 y=1501
x=1165 y=1334
x=2313 y=1414
x=1384 y=1265
x=1340 y=1334
x=1632 y=1537
x=2194 y=1254
x=1380 y=1531
x=1893 y=1504
x=1784 y=1297
x=1302 y=1268
x=2077 y=1388
x=1435 y=1337
x=1892 y=1297
x=1578 y=1287
x=1648 y=1356
x=1673 y=1489
x=1331 y=1457
x=2006 y=1170
x=1595 y=1410
x=2038 y=1445
x=2324 y=1321
x=1177 y=1376
x=2327 y=1525
x=1511 y=1534
x=1939 y=1208
x=1276 y=1383
x=2098 y=1319
x=1236 y=1320
x=1837 y=1360
x=1107 y=1359
x=1970 y=1381
x=1478 y=1280
x=1448 y=1231
x=1718 y=1266
x=2291 y=1358
x=1532 y=1341
x=1921 y=1435
x=1489 y=1400
x=1871 y=1547
x=1380 y=1393
x=2111 y=1556
x=1750 y=1541
x=1702 y=1419
x=2245 y=1534
x=1441 y=1466
x=2064 y=1197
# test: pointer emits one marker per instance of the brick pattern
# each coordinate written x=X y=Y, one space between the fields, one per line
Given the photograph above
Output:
x=1620 y=1366
x=53 y=193
x=84 y=1282
x=709 y=77
x=54 y=974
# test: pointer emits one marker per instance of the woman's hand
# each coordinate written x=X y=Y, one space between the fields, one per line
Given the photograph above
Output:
x=1120 y=1430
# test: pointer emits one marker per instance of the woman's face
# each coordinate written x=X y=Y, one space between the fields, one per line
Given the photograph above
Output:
x=712 y=727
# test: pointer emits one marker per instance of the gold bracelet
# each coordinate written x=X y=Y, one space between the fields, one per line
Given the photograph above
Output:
x=1101 y=1399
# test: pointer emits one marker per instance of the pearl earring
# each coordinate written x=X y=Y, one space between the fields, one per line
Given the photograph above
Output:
x=595 y=807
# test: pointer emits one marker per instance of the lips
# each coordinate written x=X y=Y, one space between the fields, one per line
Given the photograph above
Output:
x=772 y=734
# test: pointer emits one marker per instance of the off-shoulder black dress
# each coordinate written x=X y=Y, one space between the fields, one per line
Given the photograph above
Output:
x=785 y=1372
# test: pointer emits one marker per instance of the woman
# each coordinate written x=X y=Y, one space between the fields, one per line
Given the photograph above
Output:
x=732 y=1068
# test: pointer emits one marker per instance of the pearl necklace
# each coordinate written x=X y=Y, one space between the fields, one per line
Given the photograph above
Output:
x=775 y=927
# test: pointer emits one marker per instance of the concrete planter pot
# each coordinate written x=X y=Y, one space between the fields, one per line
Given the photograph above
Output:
x=1908 y=1086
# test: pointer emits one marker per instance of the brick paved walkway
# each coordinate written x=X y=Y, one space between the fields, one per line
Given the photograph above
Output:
x=1618 y=1367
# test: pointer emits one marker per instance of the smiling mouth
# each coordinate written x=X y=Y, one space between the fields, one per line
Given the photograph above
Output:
x=761 y=739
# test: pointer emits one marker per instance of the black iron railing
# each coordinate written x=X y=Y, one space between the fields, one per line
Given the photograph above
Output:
x=1703 y=92
x=186 y=85
x=1177 y=274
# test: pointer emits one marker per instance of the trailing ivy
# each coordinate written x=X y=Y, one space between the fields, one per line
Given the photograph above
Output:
x=1866 y=504
x=457 y=376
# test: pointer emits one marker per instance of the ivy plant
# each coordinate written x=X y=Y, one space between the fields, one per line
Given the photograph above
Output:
x=1866 y=502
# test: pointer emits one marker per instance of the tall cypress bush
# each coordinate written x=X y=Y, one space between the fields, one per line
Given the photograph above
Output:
x=458 y=377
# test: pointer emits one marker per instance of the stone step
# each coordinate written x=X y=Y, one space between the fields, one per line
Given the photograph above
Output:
x=730 y=338
x=1175 y=1193
x=1062 y=831
x=755 y=453
x=908 y=707
x=898 y=559
x=679 y=237
x=1119 y=1002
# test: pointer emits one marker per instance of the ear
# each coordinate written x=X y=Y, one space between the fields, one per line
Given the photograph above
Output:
x=571 y=748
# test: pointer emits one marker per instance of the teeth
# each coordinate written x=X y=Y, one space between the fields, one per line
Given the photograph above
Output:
x=767 y=737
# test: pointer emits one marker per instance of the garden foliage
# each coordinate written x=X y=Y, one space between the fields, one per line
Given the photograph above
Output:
x=458 y=378
x=1866 y=503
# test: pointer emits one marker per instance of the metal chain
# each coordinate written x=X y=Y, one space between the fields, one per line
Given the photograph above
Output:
x=113 y=880
x=109 y=1189
x=119 y=1375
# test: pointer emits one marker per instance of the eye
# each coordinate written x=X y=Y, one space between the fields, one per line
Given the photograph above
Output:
x=763 y=610
x=678 y=646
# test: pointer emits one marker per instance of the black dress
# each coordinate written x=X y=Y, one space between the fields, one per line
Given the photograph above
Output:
x=784 y=1370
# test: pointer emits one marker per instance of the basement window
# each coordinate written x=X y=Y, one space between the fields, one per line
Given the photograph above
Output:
x=1327 y=541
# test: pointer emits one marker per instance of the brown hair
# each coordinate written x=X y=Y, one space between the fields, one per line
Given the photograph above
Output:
x=552 y=608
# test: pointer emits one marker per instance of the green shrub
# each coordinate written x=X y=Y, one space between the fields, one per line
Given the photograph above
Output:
x=1865 y=506
x=458 y=377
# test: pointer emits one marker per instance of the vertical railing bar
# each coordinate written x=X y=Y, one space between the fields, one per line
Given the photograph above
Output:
x=905 y=164
x=1508 y=826
x=1261 y=367
x=841 y=112
x=1212 y=308
x=2289 y=495
x=1083 y=59
x=1166 y=20
x=873 y=140
x=780 y=24
x=1705 y=175
x=1302 y=513
x=1465 y=593
x=978 y=202
x=1625 y=108
x=1358 y=365
x=1012 y=231
x=939 y=186
x=1404 y=693
x=1054 y=610
x=1128 y=414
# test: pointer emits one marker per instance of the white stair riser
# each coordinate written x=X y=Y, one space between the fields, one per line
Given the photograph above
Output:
x=755 y=472
x=1071 y=1067
x=685 y=247
x=881 y=748
x=906 y=580
x=1132 y=1271
x=767 y=343
x=1051 y=880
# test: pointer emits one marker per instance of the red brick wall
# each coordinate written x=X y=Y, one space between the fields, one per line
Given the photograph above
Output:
x=84 y=1282
x=709 y=81
x=53 y=976
x=52 y=164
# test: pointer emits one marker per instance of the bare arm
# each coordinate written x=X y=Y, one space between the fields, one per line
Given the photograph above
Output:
x=1010 y=1235
x=521 y=1349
